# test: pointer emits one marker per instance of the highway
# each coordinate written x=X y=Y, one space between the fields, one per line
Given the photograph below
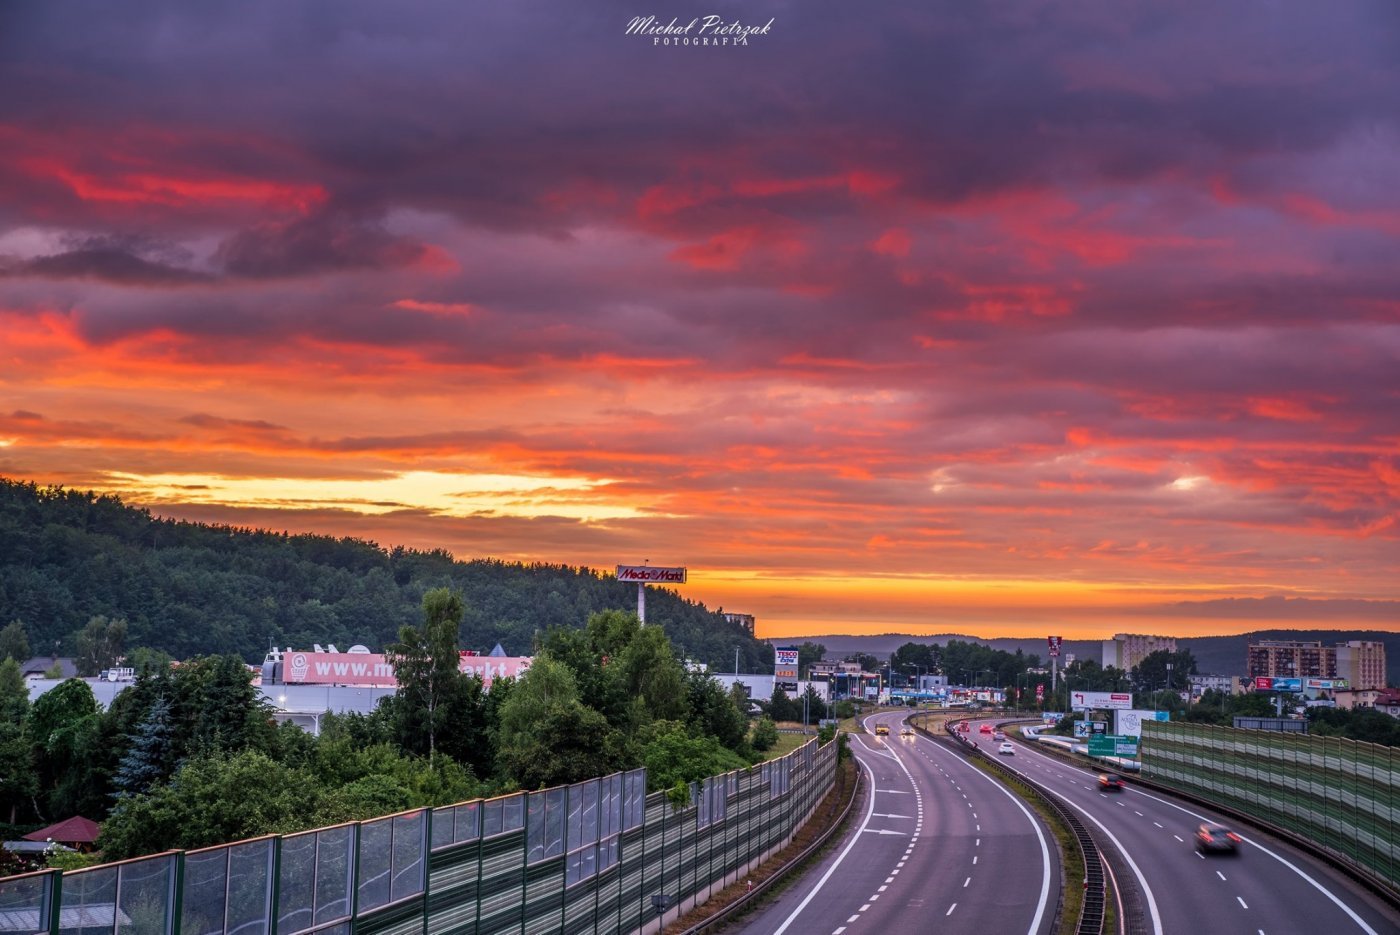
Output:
x=1268 y=888
x=937 y=846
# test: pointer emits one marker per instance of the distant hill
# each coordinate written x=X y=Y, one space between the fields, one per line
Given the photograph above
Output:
x=192 y=589
x=1216 y=655
x=882 y=644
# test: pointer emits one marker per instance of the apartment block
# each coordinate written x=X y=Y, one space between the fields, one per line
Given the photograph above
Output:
x=1290 y=659
x=1361 y=663
x=1126 y=650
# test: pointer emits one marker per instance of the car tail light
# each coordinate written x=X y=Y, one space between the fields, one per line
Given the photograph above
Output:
x=1234 y=837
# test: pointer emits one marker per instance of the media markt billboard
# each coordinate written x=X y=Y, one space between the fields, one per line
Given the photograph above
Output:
x=650 y=574
x=1100 y=701
x=1112 y=745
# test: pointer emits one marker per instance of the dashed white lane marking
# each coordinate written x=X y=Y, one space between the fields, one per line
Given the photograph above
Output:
x=1138 y=813
x=1219 y=874
x=889 y=879
x=863 y=908
x=950 y=910
x=1243 y=904
x=1159 y=824
x=966 y=882
x=974 y=859
x=1351 y=913
x=882 y=889
x=839 y=930
x=852 y=918
x=1179 y=838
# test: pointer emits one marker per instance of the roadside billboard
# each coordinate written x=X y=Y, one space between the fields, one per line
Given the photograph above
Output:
x=1053 y=642
x=1129 y=723
x=1327 y=684
x=650 y=574
x=374 y=669
x=785 y=667
x=1264 y=683
x=1100 y=701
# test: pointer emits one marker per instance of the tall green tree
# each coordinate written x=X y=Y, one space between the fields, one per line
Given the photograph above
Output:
x=99 y=645
x=652 y=676
x=17 y=778
x=150 y=758
x=808 y=653
x=64 y=725
x=714 y=711
x=14 y=642
x=427 y=666
x=547 y=737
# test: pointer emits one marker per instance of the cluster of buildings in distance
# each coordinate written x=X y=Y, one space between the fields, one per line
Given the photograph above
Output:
x=302 y=685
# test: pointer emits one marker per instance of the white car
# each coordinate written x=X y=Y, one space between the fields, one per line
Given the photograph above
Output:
x=1007 y=747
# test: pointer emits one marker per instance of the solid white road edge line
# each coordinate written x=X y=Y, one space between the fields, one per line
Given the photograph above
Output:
x=1137 y=872
x=1279 y=857
x=869 y=810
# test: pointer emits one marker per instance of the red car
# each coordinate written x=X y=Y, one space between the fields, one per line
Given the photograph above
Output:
x=986 y=728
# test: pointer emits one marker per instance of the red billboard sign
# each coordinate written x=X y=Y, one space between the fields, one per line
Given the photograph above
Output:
x=1040 y=693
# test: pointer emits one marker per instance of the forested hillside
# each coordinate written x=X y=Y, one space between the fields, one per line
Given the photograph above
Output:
x=189 y=588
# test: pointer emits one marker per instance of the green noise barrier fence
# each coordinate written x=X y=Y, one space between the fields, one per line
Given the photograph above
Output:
x=1340 y=795
x=600 y=856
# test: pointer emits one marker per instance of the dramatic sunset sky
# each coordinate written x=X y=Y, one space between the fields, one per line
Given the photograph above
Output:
x=1008 y=318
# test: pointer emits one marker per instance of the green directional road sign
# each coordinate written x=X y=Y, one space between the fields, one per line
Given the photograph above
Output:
x=1112 y=745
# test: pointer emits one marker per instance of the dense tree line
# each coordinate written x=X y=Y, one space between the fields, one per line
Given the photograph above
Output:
x=190 y=755
x=187 y=589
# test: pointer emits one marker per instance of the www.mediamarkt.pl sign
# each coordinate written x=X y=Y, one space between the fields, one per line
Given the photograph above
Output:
x=650 y=574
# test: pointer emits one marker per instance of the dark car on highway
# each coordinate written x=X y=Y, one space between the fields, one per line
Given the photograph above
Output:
x=1212 y=838
x=1110 y=783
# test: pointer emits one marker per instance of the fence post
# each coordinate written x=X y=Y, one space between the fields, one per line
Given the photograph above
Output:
x=55 y=900
x=177 y=903
x=274 y=899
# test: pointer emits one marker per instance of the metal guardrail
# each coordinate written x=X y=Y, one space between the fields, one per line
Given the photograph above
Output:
x=1092 y=909
x=743 y=901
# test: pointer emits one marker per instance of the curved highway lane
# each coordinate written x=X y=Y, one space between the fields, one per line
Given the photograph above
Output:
x=1269 y=888
x=939 y=845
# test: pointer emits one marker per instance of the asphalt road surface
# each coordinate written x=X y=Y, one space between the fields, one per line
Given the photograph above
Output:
x=939 y=846
x=1268 y=888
